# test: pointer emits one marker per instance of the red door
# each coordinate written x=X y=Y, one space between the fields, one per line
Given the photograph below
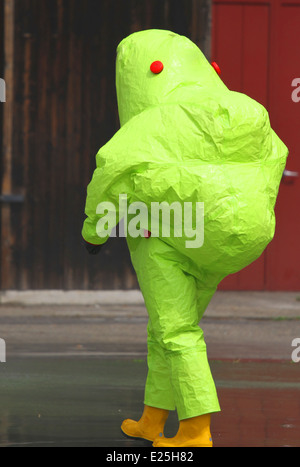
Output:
x=257 y=46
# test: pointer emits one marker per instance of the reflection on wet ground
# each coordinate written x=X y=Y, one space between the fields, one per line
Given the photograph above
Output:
x=60 y=402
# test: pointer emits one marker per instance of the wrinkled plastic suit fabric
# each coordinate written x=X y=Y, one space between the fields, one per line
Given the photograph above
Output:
x=185 y=137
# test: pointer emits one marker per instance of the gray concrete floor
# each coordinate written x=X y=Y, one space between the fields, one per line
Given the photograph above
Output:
x=74 y=372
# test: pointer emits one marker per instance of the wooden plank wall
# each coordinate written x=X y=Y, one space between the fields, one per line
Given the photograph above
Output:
x=64 y=110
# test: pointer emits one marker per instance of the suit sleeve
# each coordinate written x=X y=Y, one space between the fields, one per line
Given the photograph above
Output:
x=92 y=224
x=110 y=180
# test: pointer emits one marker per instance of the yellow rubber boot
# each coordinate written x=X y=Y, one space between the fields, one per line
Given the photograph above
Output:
x=193 y=432
x=149 y=427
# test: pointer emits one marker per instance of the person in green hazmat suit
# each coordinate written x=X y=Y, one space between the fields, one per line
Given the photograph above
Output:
x=184 y=138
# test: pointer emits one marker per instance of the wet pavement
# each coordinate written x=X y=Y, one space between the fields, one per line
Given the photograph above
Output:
x=57 y=402
x=74 y=373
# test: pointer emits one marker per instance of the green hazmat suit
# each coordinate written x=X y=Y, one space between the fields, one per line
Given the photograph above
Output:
x=185 y=138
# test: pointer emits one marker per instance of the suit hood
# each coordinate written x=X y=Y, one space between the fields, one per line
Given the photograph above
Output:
x=184 y=65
